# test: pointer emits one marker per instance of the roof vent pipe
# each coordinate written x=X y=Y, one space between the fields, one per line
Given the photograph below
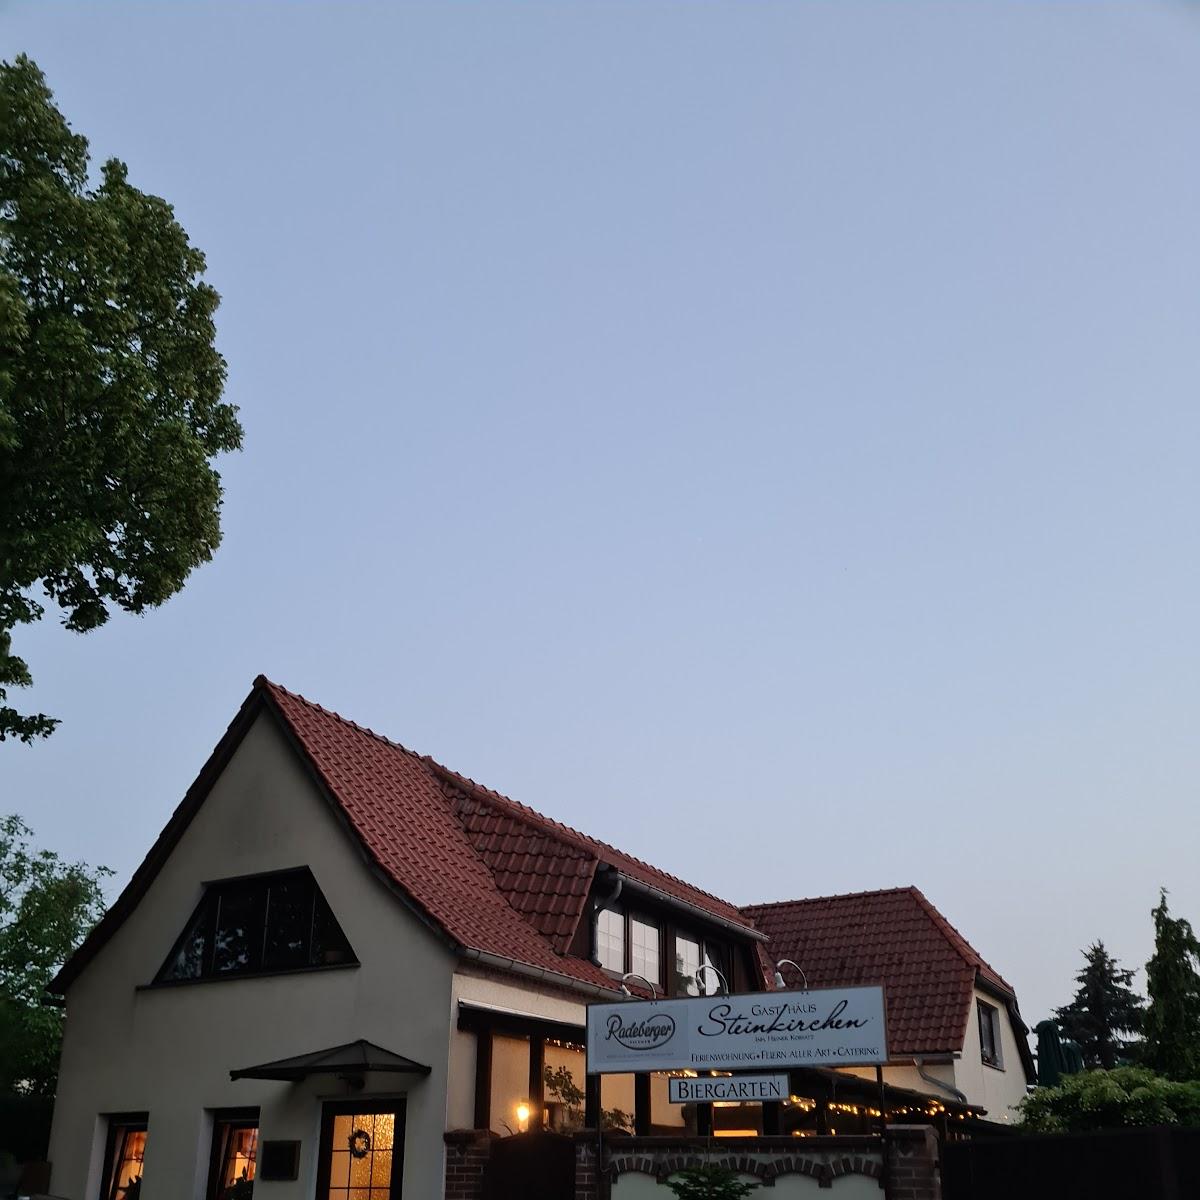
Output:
x=601 y=899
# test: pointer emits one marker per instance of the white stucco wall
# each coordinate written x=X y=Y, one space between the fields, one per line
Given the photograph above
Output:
x=636 y=1186
x=168 y=1051
x=998 y=1089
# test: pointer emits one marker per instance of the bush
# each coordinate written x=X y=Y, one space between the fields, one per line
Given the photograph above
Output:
x=709 y=1183
x=1121 y=1098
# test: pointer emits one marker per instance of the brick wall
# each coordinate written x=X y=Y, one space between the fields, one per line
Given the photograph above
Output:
x=467 y=1153
x=912 y=1163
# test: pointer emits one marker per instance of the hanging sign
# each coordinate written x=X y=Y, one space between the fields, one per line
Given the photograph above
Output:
x=822 y=1028
x=704 y=1089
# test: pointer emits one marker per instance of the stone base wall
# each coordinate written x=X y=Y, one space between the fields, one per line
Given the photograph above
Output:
x=902 y=1166
x=766 y=1159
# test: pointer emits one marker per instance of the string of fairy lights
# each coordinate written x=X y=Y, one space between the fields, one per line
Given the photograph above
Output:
x=930 y=1110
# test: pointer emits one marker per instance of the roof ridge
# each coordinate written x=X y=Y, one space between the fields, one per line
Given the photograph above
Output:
x=263 y=682
x=892 y=891
x=479 y=791
x=951 y=933
x=532 y=816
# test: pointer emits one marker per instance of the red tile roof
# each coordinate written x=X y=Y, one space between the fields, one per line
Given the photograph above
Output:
x=894 y=937
x=494 y=876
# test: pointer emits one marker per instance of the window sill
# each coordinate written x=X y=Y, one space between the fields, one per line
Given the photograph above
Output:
x=165 y=984
x=995 y=1066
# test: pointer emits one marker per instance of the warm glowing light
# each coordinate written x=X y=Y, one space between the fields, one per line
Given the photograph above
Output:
x=522 y=1113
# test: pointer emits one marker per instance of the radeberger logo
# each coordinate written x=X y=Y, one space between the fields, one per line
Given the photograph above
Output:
x=649 y=1034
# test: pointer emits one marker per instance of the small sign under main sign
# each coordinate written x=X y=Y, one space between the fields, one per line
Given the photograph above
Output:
x=704 y=1089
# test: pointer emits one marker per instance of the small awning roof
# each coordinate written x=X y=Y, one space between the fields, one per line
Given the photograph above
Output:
x=354 y=1058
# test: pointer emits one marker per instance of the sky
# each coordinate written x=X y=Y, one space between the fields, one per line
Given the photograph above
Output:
x=762 y=435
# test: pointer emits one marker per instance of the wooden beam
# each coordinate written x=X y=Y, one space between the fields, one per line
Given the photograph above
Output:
x=483 y=1079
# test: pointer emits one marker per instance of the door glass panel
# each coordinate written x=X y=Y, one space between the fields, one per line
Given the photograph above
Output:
x=360 y=1157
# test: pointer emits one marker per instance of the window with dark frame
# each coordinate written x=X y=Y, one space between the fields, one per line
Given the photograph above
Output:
x=234 y=1161
x=989 y=1034
x=610 y=939
x=259 y=924
x=691 y=954
x=362 y=1150
x=635 y=942
x=630 y=942
x=125 y=1152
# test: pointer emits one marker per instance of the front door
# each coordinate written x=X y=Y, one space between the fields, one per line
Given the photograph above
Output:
x=362 y=1150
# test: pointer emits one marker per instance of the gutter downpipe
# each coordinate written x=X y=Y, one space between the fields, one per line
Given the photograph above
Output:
x=940 y=1084
x=601 y=900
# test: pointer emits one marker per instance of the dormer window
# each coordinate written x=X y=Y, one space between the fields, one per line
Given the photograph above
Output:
x=670 y=958
x=256 y=925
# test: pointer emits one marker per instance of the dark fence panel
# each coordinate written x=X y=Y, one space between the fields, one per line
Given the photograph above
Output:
x=25 y=1126
x=1119 y=1164
x=531 y=1166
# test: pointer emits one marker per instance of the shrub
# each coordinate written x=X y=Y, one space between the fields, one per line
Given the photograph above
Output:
x=709 y=1183
x=1123 y=1097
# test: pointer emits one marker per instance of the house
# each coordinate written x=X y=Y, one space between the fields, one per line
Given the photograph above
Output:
x=338 y=951
x=951 y=1017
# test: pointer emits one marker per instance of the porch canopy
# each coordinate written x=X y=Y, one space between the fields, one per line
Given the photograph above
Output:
x=352 y=1061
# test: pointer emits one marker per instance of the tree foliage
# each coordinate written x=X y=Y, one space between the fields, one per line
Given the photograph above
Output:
x=1126 y=1096
x=110 y=388
x=1106 y=1012
x=1172 y=1022
x=46 y=908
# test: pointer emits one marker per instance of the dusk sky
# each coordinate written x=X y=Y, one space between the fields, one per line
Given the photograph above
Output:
x=763 y=435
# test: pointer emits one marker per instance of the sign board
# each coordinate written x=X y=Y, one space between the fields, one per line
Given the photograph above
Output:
x=706 y=1088
x=823 y=1028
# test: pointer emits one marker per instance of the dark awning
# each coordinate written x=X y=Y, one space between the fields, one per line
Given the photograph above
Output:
x=354 y=1059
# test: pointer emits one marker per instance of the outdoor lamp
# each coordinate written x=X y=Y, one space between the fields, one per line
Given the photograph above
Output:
x=787 y=962
x=522 y=1113
x=716 y=971
x=635 y=975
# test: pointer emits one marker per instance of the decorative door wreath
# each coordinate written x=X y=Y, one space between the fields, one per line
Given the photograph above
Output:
x=360 y=1143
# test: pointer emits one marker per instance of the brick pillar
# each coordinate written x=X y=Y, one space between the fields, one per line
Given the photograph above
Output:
x=467 y=1153
x=911 y=1167
x=589 y=1182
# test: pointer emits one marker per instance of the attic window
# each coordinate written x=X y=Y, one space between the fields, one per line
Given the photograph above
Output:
x=256 y=925
x=989 y=1034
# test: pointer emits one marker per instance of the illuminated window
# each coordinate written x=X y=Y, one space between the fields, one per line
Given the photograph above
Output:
x=989 y=1034
x=257 y=925
x=564 y=1078
x=234 y=1156
x=362 y=1151
x=610 y=940
x=645 y=956
x=123 y=1161
x=509 y=1104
